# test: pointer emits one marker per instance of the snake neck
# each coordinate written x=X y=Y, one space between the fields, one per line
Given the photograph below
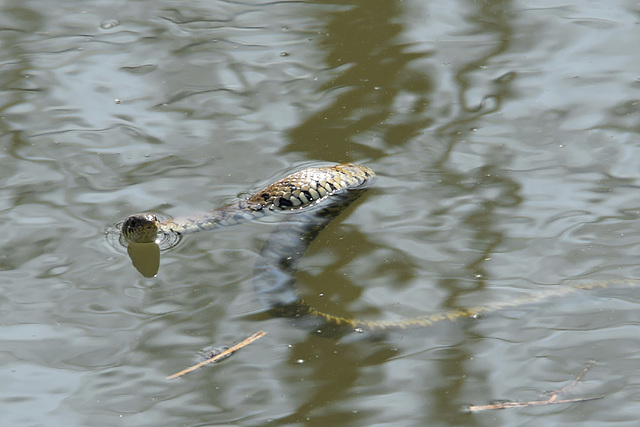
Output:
x=232 y=214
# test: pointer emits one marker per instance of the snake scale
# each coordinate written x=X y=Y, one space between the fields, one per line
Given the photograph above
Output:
x=311 y=198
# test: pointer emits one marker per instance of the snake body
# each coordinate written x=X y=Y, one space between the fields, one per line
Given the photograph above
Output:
x=298 y=191
x=311 y=198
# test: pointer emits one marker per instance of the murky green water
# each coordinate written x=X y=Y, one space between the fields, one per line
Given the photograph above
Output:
x=505 y=136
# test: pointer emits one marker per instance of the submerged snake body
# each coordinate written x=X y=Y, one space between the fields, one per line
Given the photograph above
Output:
x=329 y=190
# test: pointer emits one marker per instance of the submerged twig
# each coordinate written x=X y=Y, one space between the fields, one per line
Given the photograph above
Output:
x=220 y=355
x=504 y=405
x=574 y=382
x=552 y=400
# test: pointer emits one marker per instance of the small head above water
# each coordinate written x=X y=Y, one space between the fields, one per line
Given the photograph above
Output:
x=141 y=228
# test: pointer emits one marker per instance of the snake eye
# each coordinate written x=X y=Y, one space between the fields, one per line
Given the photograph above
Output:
x=132 y=223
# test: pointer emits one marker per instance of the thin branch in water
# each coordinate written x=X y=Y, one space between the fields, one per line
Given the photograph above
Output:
x=551 y=400
x=505 y=405
x=574 y=382
x=221 y=355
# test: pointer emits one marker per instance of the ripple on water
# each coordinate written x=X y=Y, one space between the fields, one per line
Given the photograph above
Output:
x=166 y=239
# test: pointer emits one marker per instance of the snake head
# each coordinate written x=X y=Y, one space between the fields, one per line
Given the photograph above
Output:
x=141 y=228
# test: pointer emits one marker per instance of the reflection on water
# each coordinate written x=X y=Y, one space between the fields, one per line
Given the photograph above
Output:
x=505 y=141
x=145 y=257
x=389 y=103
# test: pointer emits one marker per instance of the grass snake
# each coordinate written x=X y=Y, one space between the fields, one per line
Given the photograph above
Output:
x=311 y=198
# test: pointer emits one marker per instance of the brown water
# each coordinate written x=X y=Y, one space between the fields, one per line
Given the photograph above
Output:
x=505 y=136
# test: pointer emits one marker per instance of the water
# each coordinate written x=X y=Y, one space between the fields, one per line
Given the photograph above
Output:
x=505 y=137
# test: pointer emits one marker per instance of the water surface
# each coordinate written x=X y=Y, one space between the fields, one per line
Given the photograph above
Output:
x=505 y=137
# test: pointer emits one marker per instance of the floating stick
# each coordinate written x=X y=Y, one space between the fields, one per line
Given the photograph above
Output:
x=219 y=356
x=552 y=400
